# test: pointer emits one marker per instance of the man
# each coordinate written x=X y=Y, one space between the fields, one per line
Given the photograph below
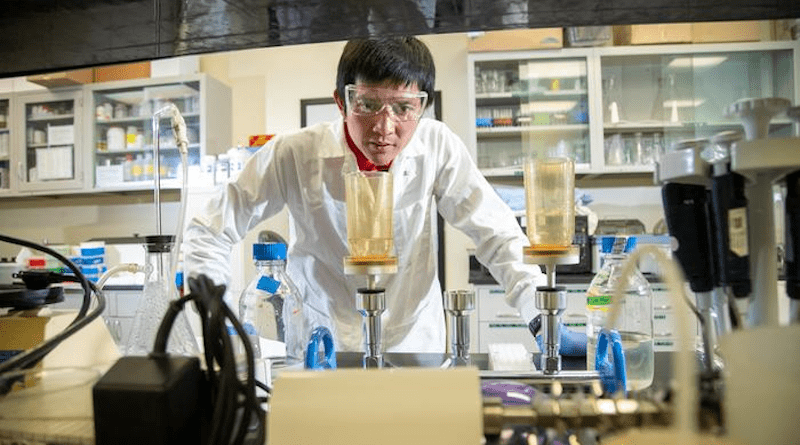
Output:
x=382 y=89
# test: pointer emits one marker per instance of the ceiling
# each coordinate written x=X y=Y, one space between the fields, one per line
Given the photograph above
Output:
x=51 y=35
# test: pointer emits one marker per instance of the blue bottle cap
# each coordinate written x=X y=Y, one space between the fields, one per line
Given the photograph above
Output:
x=269 y=251
x=631 y=245
x=617 y=244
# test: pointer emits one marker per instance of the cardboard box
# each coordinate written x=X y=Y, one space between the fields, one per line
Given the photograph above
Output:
x=517 y=39
x=653 y=34
x=125 y=71
x=63 y=78
x=20 y=331
x=741 y=31
x=701 y=32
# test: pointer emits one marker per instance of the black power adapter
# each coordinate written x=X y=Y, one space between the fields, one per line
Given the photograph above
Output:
x=154 y=400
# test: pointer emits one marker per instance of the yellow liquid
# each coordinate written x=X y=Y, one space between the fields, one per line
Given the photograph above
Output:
x=549 y=199
x=370 y=248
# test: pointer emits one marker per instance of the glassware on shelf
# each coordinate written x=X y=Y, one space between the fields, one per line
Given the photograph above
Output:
x=673 y=103
x=647 y=156
x=615 y=150
x=612 y=98
x=658 y=146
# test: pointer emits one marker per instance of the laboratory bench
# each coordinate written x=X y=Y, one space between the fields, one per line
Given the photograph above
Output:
x=50 y=427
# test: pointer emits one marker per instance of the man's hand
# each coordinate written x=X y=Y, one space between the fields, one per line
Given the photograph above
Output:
x=573 y=344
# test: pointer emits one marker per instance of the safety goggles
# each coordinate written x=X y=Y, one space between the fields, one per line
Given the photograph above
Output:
x=367 y=101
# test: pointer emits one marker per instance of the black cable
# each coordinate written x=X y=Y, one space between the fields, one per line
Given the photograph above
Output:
x=81 y=279
x=31 y=357
x=236 y=412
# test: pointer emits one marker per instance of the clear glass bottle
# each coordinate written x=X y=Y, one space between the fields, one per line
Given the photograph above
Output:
x=159 y=290
x=271 y=310
x=635 y=323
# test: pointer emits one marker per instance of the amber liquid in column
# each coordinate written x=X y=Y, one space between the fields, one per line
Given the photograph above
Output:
x=369 y=215
x=550 y=210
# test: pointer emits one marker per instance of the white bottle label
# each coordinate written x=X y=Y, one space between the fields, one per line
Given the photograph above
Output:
x=737 y=231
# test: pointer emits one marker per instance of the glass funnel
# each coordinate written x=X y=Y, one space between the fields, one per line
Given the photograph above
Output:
x=369 y=215
x=550 y=210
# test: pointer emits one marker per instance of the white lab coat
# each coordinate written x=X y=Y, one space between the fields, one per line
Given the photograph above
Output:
x=304 y=170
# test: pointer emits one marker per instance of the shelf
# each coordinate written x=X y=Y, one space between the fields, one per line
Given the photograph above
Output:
x=175 y=91
x=517 y=130
x=646 y=126
x=516 y=171
x=5 y=130
x=504 y=95
x=628 y=169
x=57 y=117
x=48 y=145
x=559 y=93
x=166 y=183
x=139 y=119
x=146 y=149
x=5 y=158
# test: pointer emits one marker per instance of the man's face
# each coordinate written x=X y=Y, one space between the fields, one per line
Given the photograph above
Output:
x=381 y=118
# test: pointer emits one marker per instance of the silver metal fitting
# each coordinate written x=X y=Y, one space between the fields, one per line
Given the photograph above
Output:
x=459 y=304
x=551 y=302
x=371 y=303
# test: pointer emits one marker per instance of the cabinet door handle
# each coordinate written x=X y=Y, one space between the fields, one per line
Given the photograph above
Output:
x=508 y=315
x=19 y=171
x=664 y=307
x=663 y=334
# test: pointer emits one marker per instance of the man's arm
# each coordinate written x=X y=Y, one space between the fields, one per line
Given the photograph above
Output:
x=469 y=203
x=254 y=196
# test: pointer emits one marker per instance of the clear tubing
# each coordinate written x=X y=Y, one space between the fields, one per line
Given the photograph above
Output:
x=176 y=251
x=124 y=267
x=686 y=396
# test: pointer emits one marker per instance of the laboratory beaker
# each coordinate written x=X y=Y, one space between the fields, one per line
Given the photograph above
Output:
x=549 y=198
x=369 y=214
x=158 y=292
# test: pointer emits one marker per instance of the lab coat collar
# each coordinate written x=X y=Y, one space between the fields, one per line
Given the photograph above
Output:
x=341 y=150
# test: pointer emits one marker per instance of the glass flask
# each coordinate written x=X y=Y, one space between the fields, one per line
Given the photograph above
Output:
x=271 y=310
x=369 y=214
x=159 y=290
x=635 y=324
x=550 y=208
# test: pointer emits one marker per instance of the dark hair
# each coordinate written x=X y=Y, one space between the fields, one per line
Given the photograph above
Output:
x=400 y=60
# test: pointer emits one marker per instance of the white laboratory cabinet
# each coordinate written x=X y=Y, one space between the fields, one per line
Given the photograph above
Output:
x=120 y=129
x=47 y=154
x=6 y=105
x=614 y=109
x=99 y=137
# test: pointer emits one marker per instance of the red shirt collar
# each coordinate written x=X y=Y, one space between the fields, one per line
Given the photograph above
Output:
x=364 y=164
